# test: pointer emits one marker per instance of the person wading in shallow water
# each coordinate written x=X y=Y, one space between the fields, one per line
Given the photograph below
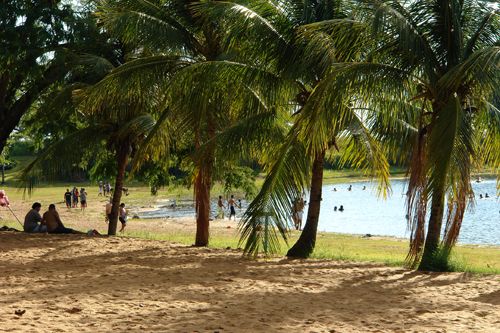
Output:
x=232 y=210
x=220 y=208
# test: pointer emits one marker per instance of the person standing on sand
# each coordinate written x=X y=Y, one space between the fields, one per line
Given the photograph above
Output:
x=33 y=220
x=109 y=207
x=83 y=199
x=232 y=210
x=295 y=216
x=300 y=212
x=122 y=216
x=67 y=198
x=100 y=188
x=220 y=208
x=75 y=197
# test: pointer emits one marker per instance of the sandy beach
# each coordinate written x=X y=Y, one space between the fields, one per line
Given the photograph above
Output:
x=72 y=283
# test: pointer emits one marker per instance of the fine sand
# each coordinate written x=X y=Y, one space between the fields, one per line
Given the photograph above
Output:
x=73 y=283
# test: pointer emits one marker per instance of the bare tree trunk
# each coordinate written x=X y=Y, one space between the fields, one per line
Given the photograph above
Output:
x=203 y=184
x=434 y=231
x=122 y=159
x=202 y=195
x=307 y=240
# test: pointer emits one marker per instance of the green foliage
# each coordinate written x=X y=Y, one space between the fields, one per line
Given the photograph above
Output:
x=242 y=178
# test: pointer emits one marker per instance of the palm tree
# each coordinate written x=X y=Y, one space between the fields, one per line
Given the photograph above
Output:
x=118 y=127
x=443 y=57
x=275 y=38
x=182 y=59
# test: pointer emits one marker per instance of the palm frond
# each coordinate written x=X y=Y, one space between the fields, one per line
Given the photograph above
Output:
x=61 y=156
x=147 y=23
x=268 y=215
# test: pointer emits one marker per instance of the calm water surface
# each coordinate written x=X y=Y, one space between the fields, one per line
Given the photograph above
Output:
x=365 y=213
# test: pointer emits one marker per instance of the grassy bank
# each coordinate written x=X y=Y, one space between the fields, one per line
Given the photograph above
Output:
x=475 y=259
x=329 y=245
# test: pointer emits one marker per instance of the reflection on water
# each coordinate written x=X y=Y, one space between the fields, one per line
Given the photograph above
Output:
x=365 y=213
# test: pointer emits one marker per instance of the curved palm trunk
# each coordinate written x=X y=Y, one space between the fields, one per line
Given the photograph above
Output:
x=122 y=159
x=434 y=231
x=307 y=240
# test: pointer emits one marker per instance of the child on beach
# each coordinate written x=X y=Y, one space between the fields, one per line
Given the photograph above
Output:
x=83 y=199
x=122 y=216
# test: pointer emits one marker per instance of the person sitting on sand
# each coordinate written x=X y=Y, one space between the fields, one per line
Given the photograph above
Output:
x=122 y=216
x=54 y=224
x=480 y=196
x=349 y=188
x=486 y=195
x=4 y=200
x=341 y=209
x=33 y=220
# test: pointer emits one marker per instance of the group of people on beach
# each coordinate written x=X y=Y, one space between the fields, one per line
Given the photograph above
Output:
x=71 y=198
x=231 y=203
x=104 y=189
x=50 y=222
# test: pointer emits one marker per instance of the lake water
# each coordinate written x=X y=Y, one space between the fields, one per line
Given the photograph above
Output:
x=365 y=213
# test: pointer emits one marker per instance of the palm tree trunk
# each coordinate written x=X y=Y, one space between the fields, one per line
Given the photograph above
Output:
x=122 y=159
x=434 y=230
x=307 y=240
x=203 y=183
x=202 y=194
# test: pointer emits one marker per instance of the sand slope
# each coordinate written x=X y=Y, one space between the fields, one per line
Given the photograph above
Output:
x=74 y=283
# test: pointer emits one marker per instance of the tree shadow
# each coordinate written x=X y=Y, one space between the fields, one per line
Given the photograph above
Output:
x=185 y=289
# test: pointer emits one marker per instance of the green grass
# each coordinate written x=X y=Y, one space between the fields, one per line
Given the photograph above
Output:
x=474 y=259
x=477 y=259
